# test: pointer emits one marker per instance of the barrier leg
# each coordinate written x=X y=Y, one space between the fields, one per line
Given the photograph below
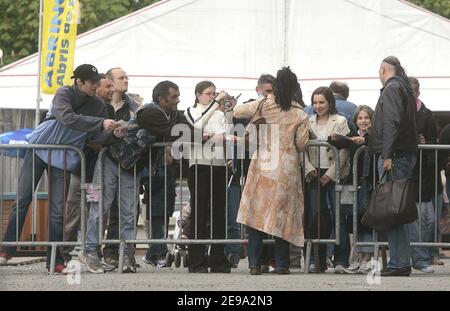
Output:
x=384 y=256
x=308 y=256
x=53 y=259
x=121 y=254
x=316 y=256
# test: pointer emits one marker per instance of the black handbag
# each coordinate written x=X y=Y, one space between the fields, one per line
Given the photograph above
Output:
x=392 y=203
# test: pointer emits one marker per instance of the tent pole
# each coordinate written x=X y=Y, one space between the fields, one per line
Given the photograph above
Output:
x=38 y=96
x=285 y=43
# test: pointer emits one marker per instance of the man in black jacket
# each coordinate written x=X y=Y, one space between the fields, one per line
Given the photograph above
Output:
x=393 y=140
x=427 y=134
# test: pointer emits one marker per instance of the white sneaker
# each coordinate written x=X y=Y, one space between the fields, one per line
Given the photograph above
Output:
x=353 y=268
x=329 y=263
x=129 y=264
x=4 y=258
x=339 y=269
x=426 y=269
x=364 y=268
x=82 y=257
x=93 y=264
x=107 y=267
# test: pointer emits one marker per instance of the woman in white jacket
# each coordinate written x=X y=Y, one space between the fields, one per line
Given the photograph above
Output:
x=321 y=176
x=207 y=166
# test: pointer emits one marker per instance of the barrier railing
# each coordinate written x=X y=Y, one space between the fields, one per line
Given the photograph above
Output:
x=15 y=148
x=337 y=214
x=436 y=199
x=196 y=237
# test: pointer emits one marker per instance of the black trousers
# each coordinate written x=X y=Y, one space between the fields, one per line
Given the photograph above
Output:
x=201 y=195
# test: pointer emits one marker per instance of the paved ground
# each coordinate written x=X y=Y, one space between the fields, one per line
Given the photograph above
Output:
x=33 y=277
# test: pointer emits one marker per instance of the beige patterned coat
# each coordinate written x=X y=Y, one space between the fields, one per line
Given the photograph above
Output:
x=272 y=200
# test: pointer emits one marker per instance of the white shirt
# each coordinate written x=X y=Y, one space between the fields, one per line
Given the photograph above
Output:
x=321 y=135
x=210 y=153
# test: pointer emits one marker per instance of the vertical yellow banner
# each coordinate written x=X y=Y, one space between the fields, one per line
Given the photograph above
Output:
x=59 y=32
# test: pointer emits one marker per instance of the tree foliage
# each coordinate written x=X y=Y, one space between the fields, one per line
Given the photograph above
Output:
x=20 y=22
x=19 y=27
x=441 y=7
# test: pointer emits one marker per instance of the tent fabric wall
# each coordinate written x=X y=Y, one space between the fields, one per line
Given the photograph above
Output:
x=232 y=42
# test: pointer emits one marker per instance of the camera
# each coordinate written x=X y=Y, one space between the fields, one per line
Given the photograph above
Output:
x=228 y=99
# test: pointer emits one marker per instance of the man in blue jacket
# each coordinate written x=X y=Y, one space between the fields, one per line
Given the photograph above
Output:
x=76 y=116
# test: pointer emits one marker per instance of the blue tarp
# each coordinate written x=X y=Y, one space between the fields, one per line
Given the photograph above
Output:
x=14 y=137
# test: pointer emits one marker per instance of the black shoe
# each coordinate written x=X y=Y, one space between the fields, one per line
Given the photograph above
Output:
x=221 y=269
x=201 y=269
x=110 y=260
x=231 y=261
x=255 y=271
x=282 y=271
x=406 y=271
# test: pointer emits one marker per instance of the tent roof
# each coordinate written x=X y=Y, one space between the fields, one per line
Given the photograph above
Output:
x=233 y=42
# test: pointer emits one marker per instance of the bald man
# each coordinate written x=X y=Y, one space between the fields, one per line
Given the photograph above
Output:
x=393 y=140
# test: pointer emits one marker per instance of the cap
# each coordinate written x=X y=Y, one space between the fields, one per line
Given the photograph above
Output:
x=86 y=72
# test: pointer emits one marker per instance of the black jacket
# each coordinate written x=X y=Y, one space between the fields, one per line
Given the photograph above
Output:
x=444 y=139
x=394 y=122
x=353 y=147
x=426 y=125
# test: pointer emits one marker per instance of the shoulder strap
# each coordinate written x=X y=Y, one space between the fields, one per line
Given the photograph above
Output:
x=366 y=164
x=260 y=107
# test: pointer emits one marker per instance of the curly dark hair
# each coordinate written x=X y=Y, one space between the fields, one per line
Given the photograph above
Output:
x=285 y=87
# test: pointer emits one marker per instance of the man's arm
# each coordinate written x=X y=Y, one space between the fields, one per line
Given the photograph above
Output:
x=63 y=111
x=392 y=115
x=154 y=121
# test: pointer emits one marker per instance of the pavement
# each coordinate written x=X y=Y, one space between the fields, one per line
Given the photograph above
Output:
x=34 y=277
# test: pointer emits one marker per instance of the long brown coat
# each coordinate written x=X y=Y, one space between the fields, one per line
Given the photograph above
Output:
x=272 y=200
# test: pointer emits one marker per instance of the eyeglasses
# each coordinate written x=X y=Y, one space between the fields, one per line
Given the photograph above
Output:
x=210 y=94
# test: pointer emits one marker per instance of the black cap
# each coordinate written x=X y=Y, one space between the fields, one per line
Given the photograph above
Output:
x=86 y=72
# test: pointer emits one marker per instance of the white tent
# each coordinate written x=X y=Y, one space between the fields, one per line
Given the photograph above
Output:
x=232 y=42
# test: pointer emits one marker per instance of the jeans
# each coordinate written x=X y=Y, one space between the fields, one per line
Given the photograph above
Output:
x=365 y=237
x=112 y=225
x=421 y=256
x=128 y=197
x=58 y=187
x=438 y=205
x=398 y=236
x=72 y=215
x=233 y=251
x=328 y=202
x=159 y=229
x=255 y=250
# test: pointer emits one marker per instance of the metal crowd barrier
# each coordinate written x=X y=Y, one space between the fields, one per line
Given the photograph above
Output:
x=376 y=244
x=309 y=242
x=53 y=244
x=177 y=240
x=180 y=200
x=195 y=240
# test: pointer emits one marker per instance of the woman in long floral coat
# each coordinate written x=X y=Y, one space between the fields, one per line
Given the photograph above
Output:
x=272 y=200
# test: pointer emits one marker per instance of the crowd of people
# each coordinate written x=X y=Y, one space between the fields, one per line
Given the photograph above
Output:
x=273 y=192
